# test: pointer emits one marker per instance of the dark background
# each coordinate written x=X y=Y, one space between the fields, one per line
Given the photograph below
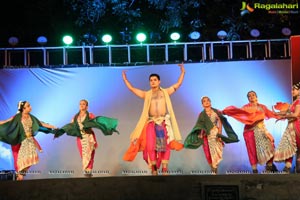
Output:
x=29 y=19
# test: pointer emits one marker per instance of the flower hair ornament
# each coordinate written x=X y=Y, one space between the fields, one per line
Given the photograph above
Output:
x=21 y=106
x=296 y=86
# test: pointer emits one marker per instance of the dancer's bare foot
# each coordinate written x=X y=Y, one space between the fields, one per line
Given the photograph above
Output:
x=88 y=173
x=20 y=177
x=165 y=171
x=154 y=170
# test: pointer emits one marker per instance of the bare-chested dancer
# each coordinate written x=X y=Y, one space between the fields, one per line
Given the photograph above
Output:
x=156 y=132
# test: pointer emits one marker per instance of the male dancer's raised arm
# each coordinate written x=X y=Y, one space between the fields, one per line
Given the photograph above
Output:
x=174 y=87
x=136 y=91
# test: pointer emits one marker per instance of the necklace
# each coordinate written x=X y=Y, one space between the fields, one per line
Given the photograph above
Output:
x=25 y=116
x=208 y=112
x=82 y=116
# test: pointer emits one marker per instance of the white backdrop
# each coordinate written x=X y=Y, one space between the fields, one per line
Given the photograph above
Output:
x=54 y=95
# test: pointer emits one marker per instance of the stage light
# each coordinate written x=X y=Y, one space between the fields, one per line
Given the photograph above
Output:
x=255 y=33
x=286 y=31
x=13 y=41
x=106 y=38
x=222 y=34
x=42 y=40
x=195 y=35
x=67 y=40
x=141 y=37
x=175 y=36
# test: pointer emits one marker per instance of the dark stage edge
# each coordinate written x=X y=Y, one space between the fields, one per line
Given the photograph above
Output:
x=172 y=187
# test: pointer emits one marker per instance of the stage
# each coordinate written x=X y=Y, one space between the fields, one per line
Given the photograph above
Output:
x=181 y=187
x=228 y=85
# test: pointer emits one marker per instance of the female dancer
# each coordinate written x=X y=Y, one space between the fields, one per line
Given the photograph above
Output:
x=208 y=131
x=289 y=144
x=259 y=141
x=19 y=132
x=81 y=127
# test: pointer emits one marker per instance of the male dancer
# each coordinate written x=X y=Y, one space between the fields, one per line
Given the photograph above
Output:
x=156 y=132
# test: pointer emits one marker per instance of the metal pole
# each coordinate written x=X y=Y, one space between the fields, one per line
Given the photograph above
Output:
x=129 y=55
x=230 y=51
x=25 y=57
x=204 y=52
x=269 y=48
x=83 y=55
x=250 y=49
x=109 y=55
x=91 y=54
x=44 y=56
x=65 y=56
x=185 y=52
x=148 y=53
x=211 y=50
x=166 y=53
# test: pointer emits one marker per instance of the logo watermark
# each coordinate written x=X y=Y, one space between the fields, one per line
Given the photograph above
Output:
x=134 y=172
x=60 y=172
x=271 y=8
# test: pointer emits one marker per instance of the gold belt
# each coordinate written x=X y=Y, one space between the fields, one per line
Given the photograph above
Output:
x=28 y=135
x=260 y=124
x=157 y=120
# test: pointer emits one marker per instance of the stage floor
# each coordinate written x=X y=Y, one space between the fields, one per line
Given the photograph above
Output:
x=173 y=187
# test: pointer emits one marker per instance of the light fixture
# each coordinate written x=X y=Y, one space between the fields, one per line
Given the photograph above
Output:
x=106 y=38
x=67 y=40
x=175 y=36
x=13 y=41
x=195 y=35
x=141 y=37
x=255 y=33
x=222 y=34
x=42 y=40
x=286 y=31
